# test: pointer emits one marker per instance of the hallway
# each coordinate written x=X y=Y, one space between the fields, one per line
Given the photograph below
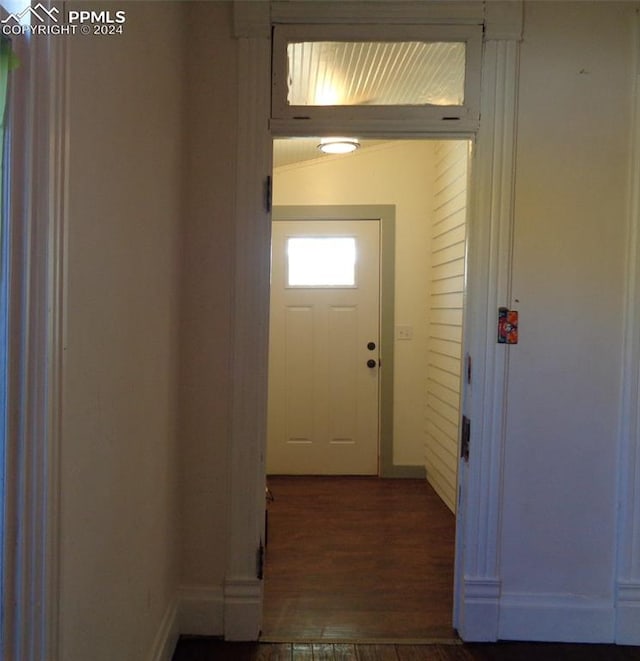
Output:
x=357 y=559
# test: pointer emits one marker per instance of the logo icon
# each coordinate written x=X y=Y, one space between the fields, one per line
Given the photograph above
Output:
x=40 y=12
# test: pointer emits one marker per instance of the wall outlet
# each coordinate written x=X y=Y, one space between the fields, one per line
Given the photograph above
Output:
x=404 y=332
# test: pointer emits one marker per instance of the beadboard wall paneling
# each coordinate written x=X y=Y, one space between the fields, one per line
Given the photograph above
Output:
x=444 y=314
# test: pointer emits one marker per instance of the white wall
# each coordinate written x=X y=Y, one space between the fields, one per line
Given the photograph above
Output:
x=119 y=565
x=399 y=173
x=118 y=463
x=559 y=513
x=445 y=316
x=206 y=297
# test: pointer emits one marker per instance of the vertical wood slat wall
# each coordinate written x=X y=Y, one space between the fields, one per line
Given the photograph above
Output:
x=445 y=307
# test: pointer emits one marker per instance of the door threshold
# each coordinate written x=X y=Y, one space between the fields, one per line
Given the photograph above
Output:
x=454 y=640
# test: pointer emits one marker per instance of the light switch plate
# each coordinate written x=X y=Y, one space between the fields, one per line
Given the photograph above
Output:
x=404 y=332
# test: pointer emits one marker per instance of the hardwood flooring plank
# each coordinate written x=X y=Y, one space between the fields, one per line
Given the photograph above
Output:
x=302 y=652
x=323 y=652
x=344 y=652
x=376 y=653
x=273 y=652
x=421 y=653
x=358 y=558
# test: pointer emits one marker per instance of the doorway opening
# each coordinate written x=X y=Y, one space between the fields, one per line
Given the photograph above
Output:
x=426 y=181
x=328 y=415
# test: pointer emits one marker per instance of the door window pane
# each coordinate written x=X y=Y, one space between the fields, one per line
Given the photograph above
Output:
x=321 y=261
x=375 y=73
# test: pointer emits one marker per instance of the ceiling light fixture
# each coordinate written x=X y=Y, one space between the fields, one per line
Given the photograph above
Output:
x=338 y=145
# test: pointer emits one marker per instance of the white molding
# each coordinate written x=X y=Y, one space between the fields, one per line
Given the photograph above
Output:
x=358 y=12
x=166 y=639
x=481 y=589
x=504 y=20
x=200 y=611
x=627 y=626
x=250 y=335
x=37 y=282
x=628 y=533
x=58 y=204
x=253 y=18
x=375 y=128
x=242 y=609
x=489 y=268
x=479 y=616
x=564 y=618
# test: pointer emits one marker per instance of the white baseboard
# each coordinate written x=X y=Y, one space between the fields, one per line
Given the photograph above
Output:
x=201 y=611
x=235 y=612
x=242 y=609
x=556 y=618
x=628 y=613
x=487 y=616
x=167 y=636
x=479 y=611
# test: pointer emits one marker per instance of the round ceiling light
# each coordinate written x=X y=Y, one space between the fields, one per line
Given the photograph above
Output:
x=338 y=145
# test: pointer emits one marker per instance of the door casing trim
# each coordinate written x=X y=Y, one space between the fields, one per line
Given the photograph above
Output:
x=476 y=610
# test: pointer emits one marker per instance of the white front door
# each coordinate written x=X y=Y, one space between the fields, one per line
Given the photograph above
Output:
x=324 y=348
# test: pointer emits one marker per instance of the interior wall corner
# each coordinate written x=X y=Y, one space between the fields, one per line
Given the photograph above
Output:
x=200 y=610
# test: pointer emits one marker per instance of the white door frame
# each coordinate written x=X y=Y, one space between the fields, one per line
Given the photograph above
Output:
x=477 y=585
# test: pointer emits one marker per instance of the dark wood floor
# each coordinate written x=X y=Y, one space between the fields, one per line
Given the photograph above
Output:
x=210 y=650
x=357 y=559
x=363 y=560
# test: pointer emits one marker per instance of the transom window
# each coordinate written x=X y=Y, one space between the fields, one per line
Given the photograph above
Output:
x=369 y=72
x=378 y=73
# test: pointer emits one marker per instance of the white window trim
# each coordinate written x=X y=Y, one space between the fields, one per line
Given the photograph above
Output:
x=354 y=12
x=461 y=118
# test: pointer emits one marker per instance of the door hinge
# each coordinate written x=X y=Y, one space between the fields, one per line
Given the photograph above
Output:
x=268 y=194
x=465 y=438
x=260 y=561
x=468 y=369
